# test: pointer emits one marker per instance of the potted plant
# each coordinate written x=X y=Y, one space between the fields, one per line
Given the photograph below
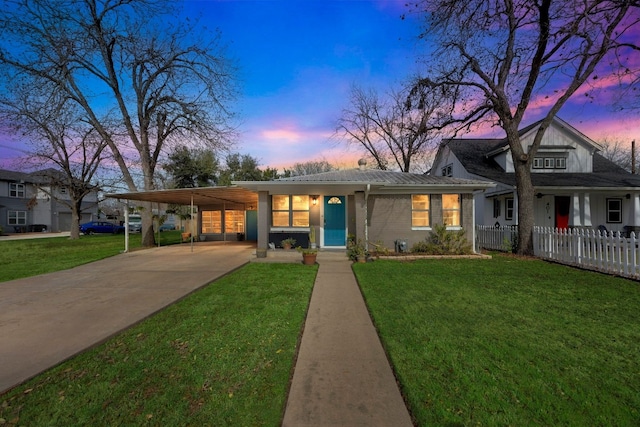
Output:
x=288 y=243
x=312 y=238
x=308 y=255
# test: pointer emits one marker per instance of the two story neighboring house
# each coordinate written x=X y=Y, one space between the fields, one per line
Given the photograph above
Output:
x=29 y=202
x=575 y=186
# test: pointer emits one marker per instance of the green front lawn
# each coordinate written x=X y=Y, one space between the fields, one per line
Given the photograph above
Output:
x=508 y=341
x=222 y=356
x=25 y=258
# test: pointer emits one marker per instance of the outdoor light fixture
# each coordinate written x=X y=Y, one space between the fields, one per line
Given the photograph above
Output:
x=314 y=200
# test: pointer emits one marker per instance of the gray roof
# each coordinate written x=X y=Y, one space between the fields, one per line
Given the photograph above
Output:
x=14 y=176
x=472 y=153
x=374 y=176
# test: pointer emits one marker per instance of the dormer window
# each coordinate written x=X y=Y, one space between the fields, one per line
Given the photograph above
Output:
x=447 y=170
x=549 y=162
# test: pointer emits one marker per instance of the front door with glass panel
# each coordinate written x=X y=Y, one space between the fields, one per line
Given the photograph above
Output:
x=335 y=233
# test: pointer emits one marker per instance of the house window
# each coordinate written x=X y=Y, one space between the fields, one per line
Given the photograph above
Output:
x=290 y=211
x=614 y=210
x=538 y=163
x=211 y=221
x=17 y=217
x=447 y=170
x=451 y=210
x=234 y=221
x=549 y=163
x=496 y=208
x=63 y=190
x=508 y=209
x=16 y=190
x=420 y=210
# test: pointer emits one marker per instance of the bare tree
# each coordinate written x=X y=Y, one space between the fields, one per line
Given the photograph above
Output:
x=309 y=168
x=500 y=55
x=619 y=152
x=68 y=149
x=393 y=131
x=143 y=82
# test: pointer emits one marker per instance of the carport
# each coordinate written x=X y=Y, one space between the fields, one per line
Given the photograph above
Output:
x=215 y=200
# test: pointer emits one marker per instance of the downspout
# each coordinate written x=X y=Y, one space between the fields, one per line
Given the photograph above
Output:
x=224 y=222
x=366 y=216
x=158 y=222
x=126 y=228
x=473 y=215
x=191 y=217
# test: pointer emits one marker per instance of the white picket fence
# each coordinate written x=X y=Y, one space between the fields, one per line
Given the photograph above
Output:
x=609 y=252
x=496 y=238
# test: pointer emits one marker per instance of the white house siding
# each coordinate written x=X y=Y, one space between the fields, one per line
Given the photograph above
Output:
x=579 y=157
x=448 y=158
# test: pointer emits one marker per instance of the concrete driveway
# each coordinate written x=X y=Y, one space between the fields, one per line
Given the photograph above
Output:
x=46 y=319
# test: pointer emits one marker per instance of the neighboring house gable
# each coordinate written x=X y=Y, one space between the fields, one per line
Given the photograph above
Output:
x=574 y=185
x=26 y=203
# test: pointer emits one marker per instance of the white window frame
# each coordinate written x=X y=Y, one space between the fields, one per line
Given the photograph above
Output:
x=611 y=210
x=561 y=163
x=458 y=209
x=428 y=211
x=17 y=217
x=291 y=212
x=509 y=206
x=538 y=162
x=17 y=190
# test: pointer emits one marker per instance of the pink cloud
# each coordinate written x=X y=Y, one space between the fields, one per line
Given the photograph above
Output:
x=281 y=135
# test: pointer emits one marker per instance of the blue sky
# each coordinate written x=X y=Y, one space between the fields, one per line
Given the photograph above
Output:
x=297 y=60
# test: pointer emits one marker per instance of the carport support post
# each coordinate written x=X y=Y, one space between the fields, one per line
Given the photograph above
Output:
x=126 y=228
x=263 y=224
x=191 y=217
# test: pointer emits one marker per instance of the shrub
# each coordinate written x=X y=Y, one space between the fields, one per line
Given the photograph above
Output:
x=444 y=242
x=355 y=248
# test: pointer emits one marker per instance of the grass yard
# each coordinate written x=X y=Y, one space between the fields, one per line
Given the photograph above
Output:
x=24 y=258
x=508 y=341
x=222 y=356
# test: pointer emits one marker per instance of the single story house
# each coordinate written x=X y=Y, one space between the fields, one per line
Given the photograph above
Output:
x=30 y=202
x=375 y=206
x=575 y=186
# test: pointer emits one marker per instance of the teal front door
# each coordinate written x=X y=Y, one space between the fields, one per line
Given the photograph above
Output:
x=335 y=225
x=251 y=228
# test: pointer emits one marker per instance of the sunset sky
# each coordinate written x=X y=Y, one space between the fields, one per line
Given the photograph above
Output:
x=298 y=60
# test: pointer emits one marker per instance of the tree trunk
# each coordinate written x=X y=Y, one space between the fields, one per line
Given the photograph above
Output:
x=75 y=219
x=525 y=192
x=148 y=238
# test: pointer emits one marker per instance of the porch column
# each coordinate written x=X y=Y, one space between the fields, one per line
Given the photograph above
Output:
x=574 y=219
x=634 y=210
x=361 y=212
x=587 y=210
x=264 y=212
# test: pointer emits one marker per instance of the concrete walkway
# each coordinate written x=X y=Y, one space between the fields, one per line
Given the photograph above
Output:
x=342 y=376
x=47 y=319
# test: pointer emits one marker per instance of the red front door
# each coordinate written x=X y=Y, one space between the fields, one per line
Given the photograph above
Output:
x=563 y=207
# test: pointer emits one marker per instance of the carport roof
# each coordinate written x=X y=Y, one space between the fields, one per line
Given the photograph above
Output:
x=201 y=196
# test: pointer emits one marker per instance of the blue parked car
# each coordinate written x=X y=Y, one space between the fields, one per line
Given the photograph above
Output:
x=100 y=227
